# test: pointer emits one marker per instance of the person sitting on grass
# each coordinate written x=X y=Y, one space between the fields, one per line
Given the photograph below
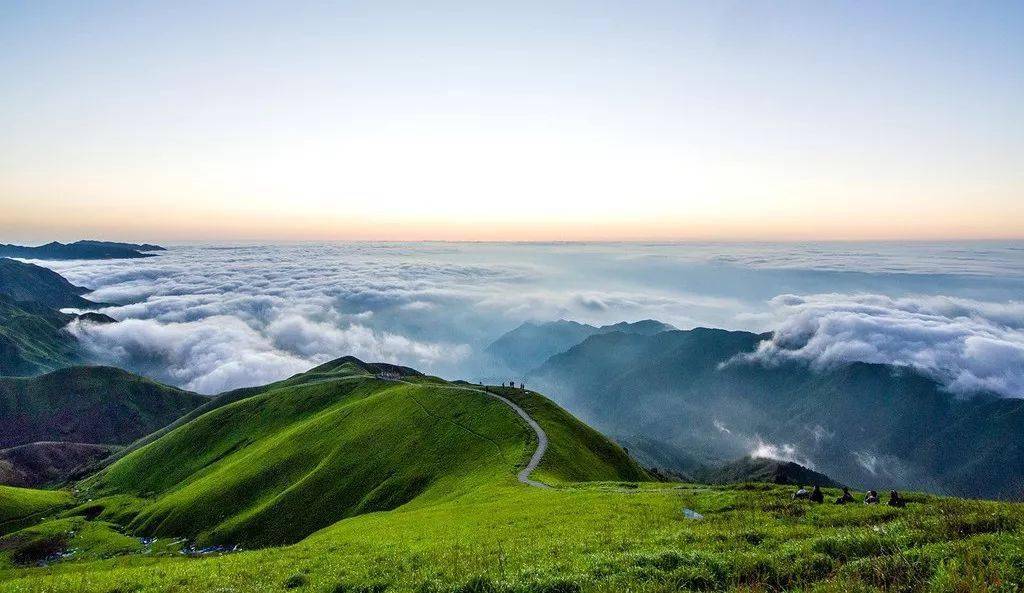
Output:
x=895 y=500
x=801 y=494
x=871 y=498
x=845 y=497
x=817 y=495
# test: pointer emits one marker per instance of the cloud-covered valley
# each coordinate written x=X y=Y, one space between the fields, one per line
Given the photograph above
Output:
x=212 y=318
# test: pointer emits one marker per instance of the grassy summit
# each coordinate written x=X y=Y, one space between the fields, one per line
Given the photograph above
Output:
x=334 y=443
x=411 y=485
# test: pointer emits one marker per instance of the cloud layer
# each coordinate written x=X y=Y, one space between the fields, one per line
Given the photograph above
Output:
x=212 y=317
x=969 y=346
x=216 y=318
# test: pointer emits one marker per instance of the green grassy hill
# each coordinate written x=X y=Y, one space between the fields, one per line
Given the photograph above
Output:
x=32 y=336
x=32 y=339
x=336 y=442
x=87 y=405
x=411 y=487
x=18 y=505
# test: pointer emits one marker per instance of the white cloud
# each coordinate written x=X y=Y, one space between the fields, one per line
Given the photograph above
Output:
x=762 y=449
x=969 y=346
x=432 y=305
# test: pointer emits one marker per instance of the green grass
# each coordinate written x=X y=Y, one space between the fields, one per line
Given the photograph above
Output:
x=605 y=537
x=382 y=486
x=577 y=452
x=75 y=537
x=21 y=505
x=272 y=468
x=31 y=340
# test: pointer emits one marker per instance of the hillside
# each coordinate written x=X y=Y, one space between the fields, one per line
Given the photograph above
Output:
x=409 y=485
x=33 y=340
x=38 y=464
x=87 y=405
x=580 y=538
x=530 y=344
x=23 y=282
x=862 y=424
x=333 y=443
x=32 y=335
x=80 y=250
x=769 y=471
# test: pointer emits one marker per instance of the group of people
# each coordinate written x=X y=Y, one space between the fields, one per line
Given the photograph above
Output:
x=816 y=495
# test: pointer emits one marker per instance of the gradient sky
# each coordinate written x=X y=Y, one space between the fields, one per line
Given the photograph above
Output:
x=547 y=120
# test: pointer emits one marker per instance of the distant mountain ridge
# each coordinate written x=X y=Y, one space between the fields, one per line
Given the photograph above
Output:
x=530 y=344
x=866 y=425
x=760 y=469
x=81 y=250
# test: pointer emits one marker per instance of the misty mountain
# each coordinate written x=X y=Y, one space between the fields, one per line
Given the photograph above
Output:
x=81 y=250
x=759 y=469
x=24 y=282
x=32 y=335
x=867 y=425
x=33 y=339
x=531 y=343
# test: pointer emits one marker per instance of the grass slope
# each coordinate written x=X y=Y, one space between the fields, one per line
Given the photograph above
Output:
x=20 y=504
x=334 y=443
x=604 y=538
x=32 y=339
x=87 y=405
x=23 y=282
x=339 y=444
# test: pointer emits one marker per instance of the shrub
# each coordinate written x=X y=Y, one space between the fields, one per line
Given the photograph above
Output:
x=295 y=581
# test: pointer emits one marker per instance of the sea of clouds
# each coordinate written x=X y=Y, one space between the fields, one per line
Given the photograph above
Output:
x=969 y=346
x=216 y=317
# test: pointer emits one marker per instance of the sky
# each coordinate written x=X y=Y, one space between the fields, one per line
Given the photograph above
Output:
x=515 y=121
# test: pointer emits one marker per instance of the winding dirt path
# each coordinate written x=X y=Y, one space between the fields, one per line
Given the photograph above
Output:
x=542 y=441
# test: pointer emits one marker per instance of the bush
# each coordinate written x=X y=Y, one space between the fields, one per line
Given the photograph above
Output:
x=295 y=581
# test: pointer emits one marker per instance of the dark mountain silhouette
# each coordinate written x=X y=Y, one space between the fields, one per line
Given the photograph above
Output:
x=24 y=282
x=759 y=469
x=531 y=343
x=80 y=250
x=867 y=425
